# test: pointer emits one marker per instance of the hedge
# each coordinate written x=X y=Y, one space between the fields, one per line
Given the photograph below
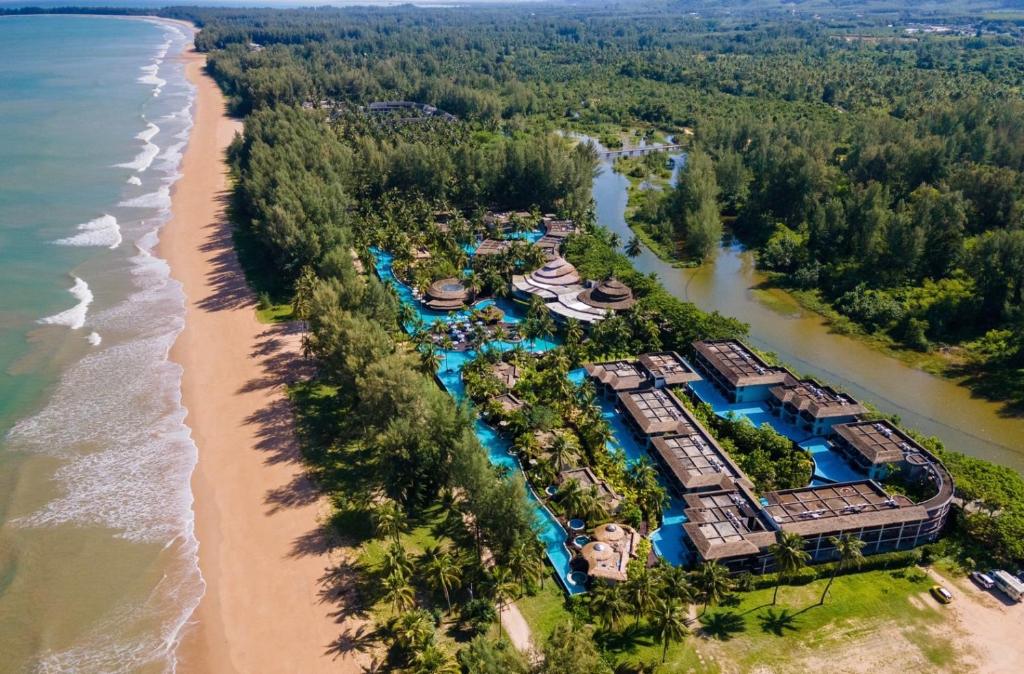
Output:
x=809 y=574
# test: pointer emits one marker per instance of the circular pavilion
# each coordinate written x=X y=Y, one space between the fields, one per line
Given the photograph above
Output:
x=611 y=294
x=447 y=294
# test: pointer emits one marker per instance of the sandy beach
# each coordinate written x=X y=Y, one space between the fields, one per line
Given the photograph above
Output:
x=270 y=603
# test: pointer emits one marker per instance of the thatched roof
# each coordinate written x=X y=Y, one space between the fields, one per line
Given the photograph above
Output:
x=609 y=294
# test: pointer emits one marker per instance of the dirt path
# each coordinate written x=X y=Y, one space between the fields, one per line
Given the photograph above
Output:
x=516 y=629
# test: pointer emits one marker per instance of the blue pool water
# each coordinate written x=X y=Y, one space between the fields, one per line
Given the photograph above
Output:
x=668 y=539
x=829 y=467
x=551 y=533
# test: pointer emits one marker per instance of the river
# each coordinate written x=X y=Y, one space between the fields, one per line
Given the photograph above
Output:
x=802 y=339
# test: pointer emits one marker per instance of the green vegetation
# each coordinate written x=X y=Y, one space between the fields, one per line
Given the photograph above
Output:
x=877 y=170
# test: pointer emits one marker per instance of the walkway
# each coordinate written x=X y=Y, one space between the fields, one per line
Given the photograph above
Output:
x=638 y=151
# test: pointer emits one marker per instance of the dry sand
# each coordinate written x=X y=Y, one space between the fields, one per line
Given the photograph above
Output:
x=272 y=601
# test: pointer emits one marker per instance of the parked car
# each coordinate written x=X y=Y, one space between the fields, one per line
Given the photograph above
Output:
x=982 y=580
x=941 y=594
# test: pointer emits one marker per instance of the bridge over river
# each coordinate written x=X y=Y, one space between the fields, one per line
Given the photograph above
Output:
x=638 y=151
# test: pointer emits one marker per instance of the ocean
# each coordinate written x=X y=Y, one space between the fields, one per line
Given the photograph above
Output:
x=98 y=560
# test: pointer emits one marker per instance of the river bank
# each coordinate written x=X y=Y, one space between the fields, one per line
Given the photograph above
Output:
x=257 y=516
x=731 y=284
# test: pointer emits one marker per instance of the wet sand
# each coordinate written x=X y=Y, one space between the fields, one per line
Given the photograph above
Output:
x=271 y=604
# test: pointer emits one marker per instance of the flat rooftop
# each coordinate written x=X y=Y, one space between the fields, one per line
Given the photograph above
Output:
x=739 y=365
x=668 y=365
x=725 y=524
x=817 y=401
x=656 y=411
x=879 y=442
x=696 y=460
x=619 y=375
x=839 y=507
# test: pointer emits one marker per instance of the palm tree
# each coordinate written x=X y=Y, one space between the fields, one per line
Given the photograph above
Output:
x=389 y=519
x=434 y=660
x=790 y=557
x=430 y=360
x=442 y=572
x=570 y=495
x=398 y=592
x=640 y=591
x=714 y=583
x=608 y=602
x=396 y=560
x=614 y=240
x=504 y=590
x=675 y=584
x=590 y=507
x=561 y=450
x=446 y=346
x=524 y=565
x=413 y=630
x=633 y=247
x=670 y=621
x=849 y=550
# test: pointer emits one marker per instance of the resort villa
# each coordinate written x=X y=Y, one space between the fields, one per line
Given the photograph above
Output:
x=447 y=294
x=725 y=520
x=587 y=480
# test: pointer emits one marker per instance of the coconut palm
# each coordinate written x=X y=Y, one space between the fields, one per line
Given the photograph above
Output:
x=633 y=247
x=609 y=603
x=849 y=551
x=590 y=507
x=434 y=660
x=640 y=590
x=430 y=359
x=398 y=593
x=790 y=557
x=562 y=450
x=570 y=495
x=669 y=620
x=675 y=584
x=442 y=572
x=388 y=519
x=524 y=565
x=573 y=332
x=503 y=589
x=396 y=560
x=413 y=630
x=713 y=582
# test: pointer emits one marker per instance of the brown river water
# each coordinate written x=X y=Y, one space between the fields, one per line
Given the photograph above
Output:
x=802 y=339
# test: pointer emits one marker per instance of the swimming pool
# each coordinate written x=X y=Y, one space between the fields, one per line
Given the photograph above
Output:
x=550 y=532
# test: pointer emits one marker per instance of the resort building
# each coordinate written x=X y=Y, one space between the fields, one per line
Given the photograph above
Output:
x=509 y=403
x=587 y=480
x=557 y=277
x=878 y=448
x=447 y=294
x=491 y=247
x=506 y=373
x=608 y=554
x=655 y=370
x=594 y=302
x=812 y=407
x=861 y=509
x=727 y=527
x=740 y=374
x=652 y=412
x=695 y=462
x=667 y=368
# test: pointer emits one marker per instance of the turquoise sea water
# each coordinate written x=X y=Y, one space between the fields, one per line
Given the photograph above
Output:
x=97 y=558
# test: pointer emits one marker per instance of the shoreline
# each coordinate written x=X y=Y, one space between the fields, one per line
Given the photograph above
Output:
x=261 y=554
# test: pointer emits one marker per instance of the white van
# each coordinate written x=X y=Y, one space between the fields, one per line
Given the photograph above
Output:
x=1011 y=586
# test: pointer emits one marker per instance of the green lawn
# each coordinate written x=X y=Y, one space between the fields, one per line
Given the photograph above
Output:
x=752 y=633
x=275 y=313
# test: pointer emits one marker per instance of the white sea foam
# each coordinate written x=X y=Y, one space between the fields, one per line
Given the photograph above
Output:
x=116 y=421
x=150 y=77
x=148 y=133
x=160 y=199
x=143 y=159
x=103 y=231
x=74 y=317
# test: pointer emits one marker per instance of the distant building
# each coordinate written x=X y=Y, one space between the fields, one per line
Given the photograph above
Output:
x=447 y=294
